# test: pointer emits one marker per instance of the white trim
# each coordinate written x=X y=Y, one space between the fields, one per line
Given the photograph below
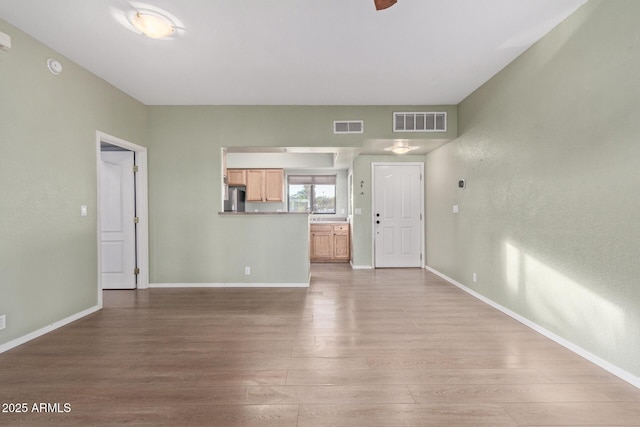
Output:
x=49 y=328
x=229 y=285
x=422 y=208
x=142 y=208
x=607 y=366
x=361 y=267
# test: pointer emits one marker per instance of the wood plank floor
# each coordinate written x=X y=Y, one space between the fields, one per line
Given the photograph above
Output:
x=358 y=348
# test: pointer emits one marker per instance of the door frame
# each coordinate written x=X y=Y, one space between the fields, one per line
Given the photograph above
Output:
x=142 y=209
x=422 y=208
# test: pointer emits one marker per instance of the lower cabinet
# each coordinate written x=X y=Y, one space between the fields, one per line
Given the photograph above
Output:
x=330 y=243
x=341 y=244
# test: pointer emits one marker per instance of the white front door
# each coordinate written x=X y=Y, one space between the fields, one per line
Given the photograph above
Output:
x=397 y=215
x=117 y=228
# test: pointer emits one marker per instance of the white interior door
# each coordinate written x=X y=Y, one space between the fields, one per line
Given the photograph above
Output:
x=117 y=212
x=397 y=215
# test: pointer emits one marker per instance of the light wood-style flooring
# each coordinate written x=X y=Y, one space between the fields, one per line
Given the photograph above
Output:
x=358 y=348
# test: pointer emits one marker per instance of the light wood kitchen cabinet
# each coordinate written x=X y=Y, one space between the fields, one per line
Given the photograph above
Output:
x=265 y=185
x=274 y=185
x=255 y=184
x=330 y=243
x=236 y=177
x=341 y=242
x=321 y=242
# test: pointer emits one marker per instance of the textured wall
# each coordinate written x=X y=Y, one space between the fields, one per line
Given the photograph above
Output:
x=48 y=252
x=185 y=182
x=549 y=219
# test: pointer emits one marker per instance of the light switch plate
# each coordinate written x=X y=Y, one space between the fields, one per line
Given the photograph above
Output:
x=456 y=209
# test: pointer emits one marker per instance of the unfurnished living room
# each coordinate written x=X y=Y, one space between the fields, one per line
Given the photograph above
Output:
x=320 y=213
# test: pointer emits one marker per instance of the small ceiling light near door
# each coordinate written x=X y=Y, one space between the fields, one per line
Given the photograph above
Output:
x=401 y=147
x=154 y=26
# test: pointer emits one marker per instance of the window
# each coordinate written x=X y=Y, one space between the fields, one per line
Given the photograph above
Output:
x=312 y=193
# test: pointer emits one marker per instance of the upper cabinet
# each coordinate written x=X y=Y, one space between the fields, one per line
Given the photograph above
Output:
x=265 y=185
x=255 y=185
x=274 y=185
x=237 y=177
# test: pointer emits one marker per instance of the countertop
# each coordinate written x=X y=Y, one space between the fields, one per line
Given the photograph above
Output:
x=263 y=213
x=312 y=220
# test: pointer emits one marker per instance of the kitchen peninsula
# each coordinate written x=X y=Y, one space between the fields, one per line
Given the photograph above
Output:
x=262 y=246
x=268 y=231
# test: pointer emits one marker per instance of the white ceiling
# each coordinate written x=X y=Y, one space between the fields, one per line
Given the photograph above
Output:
x=294 y=52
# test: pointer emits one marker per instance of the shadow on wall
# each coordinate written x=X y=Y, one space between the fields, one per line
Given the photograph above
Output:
x=557 y=300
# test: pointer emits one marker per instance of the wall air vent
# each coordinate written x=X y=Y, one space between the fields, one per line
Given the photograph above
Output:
x=348 y=126
x=420 y=122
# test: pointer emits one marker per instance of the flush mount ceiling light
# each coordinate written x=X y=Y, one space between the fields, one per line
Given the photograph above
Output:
x=153 y=25
x=401 y=147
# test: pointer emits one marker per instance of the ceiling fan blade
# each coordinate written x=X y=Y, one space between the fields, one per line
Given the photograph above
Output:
x=383 y=4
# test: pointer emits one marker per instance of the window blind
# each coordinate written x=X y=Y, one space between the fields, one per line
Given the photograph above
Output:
x=312 y=179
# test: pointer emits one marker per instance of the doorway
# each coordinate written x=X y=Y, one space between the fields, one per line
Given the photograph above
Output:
x=397 y=206
x=121 y=214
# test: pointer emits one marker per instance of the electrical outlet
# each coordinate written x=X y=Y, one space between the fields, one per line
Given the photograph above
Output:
x=247 y=270
x=3 y=321
x=475 y=277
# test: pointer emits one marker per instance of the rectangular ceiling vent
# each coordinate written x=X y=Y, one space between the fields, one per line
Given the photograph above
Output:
x=348 y=126
x=420 y=122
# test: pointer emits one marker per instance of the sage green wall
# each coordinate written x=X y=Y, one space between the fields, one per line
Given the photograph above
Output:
x=549 y=218
x=48 y=252
x=190 y=242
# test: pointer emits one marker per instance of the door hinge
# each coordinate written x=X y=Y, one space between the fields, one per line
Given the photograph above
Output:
x=135 y=168
x=136 y=220
x=136 y=271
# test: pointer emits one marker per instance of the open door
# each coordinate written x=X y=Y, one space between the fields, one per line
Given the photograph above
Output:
x=117 y=220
